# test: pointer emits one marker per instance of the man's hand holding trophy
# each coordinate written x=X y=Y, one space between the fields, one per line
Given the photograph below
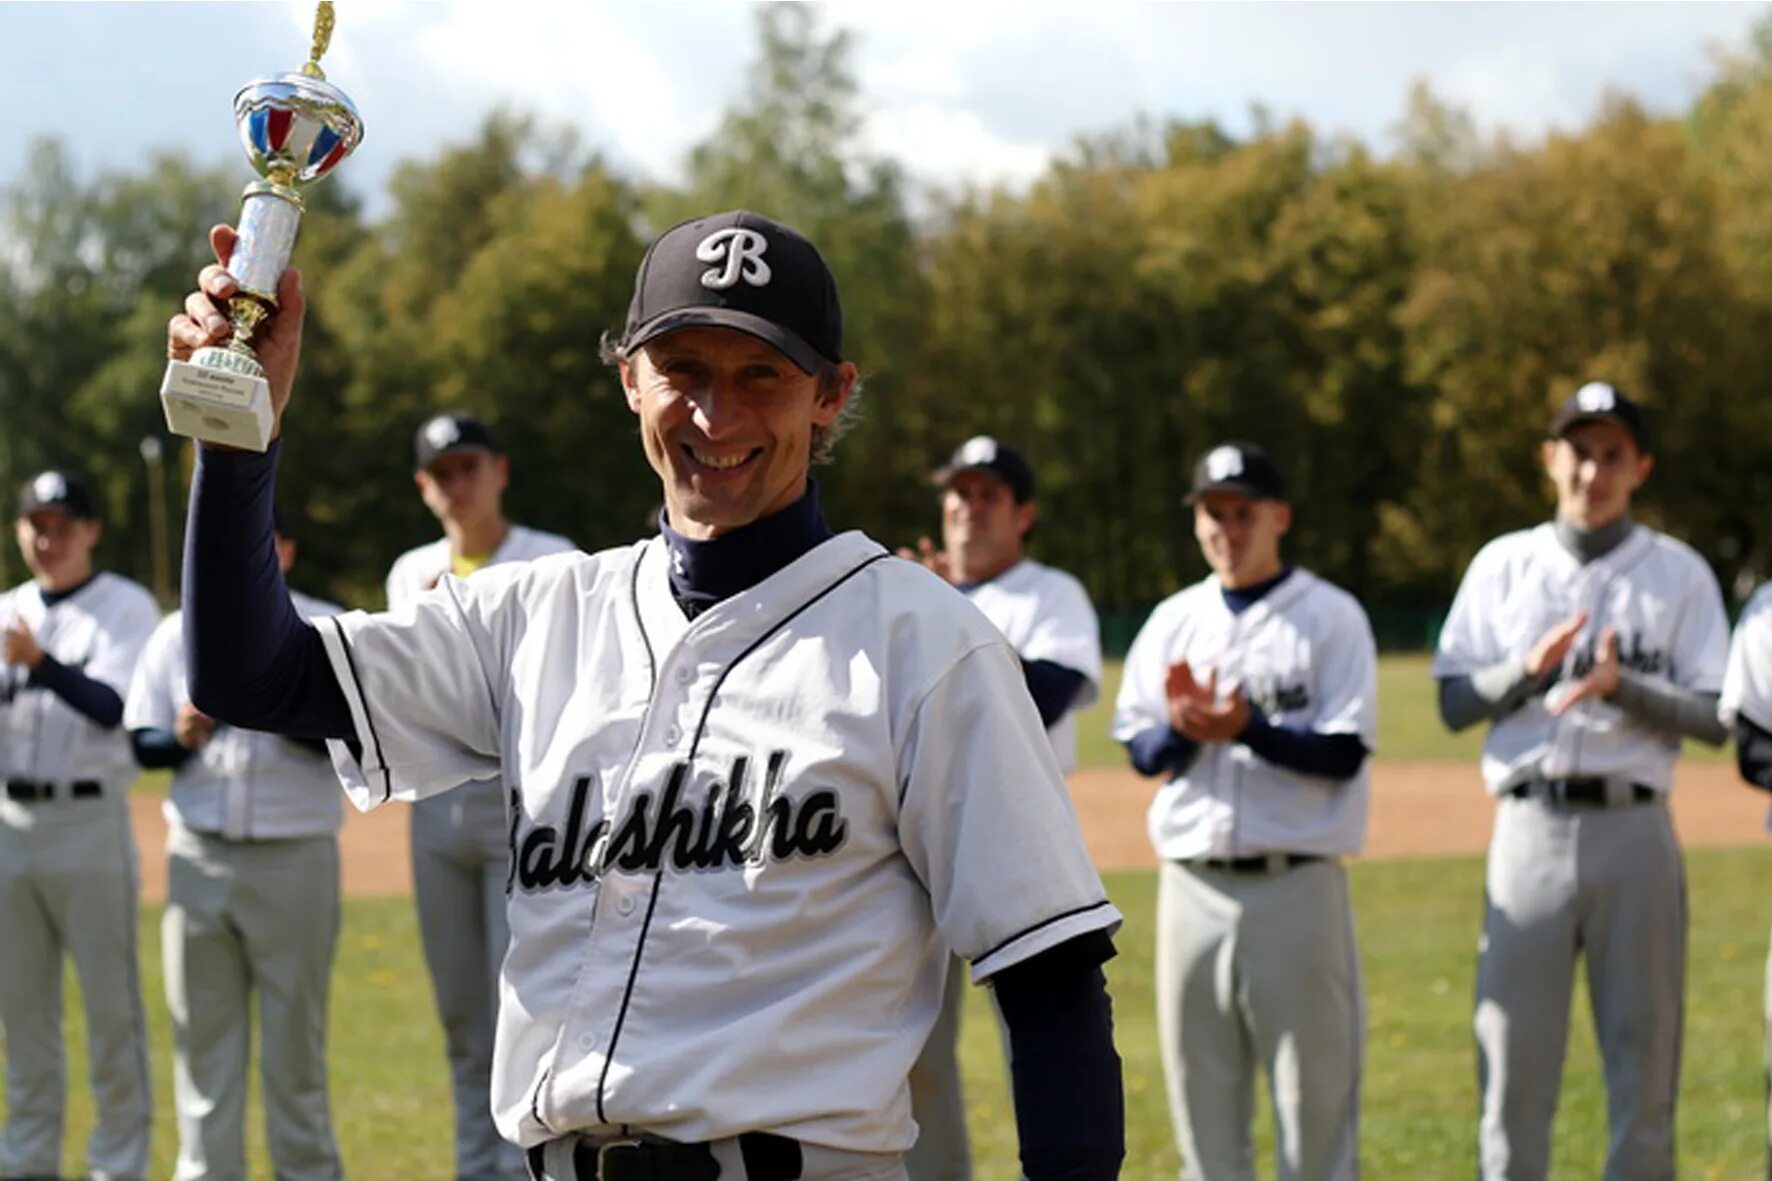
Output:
x=232 y=352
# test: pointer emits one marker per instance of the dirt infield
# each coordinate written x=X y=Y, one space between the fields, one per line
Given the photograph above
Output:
x=1418 y=810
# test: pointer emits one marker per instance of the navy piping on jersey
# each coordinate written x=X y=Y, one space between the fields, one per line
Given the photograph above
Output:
x=1042 y=924
x=387 y=775
x=694 y=746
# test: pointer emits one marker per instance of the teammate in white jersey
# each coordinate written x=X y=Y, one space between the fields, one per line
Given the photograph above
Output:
x=1252 y=694
x=252 y=914
x=763 y=776
x=69 y=640
x=987 y=510
x=460 y=841
x=1746 y=708
x=1591 y=645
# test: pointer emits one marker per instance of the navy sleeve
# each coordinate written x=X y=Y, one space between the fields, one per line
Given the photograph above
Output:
x=251 y=659
x=95 y=699
x=1161 y=751
x=1064 y=1071
x=1053 y=687
x=1327 y=756
x=1753 y=753
x=157 y=750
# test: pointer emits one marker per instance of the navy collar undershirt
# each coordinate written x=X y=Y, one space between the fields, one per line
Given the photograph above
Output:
x=1245 y=597
x=51 y=598
x=1589 y=544
x=704 y=573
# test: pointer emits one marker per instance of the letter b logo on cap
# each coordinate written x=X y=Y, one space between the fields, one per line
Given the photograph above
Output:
x=739 y=253
x=1224 y=464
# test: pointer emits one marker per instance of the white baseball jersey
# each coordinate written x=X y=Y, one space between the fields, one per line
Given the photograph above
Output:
x=100 y=630
x=241 y=784
x=741 y=845
x=1045 y=614
x=1304 y=656
x=1747 y=682
x=417 y=570
x=1656 y=592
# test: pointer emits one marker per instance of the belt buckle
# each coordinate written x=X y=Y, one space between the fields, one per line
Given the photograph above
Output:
x=609 y=1146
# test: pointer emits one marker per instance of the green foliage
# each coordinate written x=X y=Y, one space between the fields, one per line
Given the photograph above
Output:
x=1394 y=329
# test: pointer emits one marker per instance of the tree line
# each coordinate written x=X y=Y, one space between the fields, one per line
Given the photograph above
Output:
x=1395 y=327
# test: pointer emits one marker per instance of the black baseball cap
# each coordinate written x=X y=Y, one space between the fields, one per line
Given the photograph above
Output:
x=1239 y=467
x=1597 y=401
x=448 y=433
x=982 y=453
x=56 y=489
x=743 y=271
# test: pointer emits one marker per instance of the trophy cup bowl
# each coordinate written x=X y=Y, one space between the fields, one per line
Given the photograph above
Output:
x=295 y=129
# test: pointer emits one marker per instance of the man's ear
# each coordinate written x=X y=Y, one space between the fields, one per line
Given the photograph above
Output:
x=625 y=370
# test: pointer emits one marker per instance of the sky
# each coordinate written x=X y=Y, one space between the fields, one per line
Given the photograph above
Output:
x=966 y=92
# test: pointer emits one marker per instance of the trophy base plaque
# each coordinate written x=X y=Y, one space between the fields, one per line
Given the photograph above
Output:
x=217 y=405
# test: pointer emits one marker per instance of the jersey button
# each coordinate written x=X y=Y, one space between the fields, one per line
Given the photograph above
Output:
x=586 y=1042
x=624 y=905
x=673 y=736
x=684 y=675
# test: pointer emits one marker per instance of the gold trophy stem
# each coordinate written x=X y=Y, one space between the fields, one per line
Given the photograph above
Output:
x=323 y=22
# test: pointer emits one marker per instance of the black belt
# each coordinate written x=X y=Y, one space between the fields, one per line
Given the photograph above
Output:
x=767 y=1157
x=27 y=791
x=1260 y=863
x=1589 y=791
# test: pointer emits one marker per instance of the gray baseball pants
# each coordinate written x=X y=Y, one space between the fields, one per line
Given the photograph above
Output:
x=68 y=886
x=246 y=918
x=938 y=1102
x=460 y=863
x=1260 y=971
x=1606 y=884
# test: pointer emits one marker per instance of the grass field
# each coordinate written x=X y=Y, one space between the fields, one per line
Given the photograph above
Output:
x=1409 y=726
x=1418 y=927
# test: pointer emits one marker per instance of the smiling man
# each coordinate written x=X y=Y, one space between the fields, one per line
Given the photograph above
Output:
x=762 y=775
x=1590 y=645
x=1252 y=696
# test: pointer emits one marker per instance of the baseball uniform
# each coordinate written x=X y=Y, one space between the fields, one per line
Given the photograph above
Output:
x=1746 y=706
x=1257 y=966
x=1583 y=859
x=460 y=865
x=252 y=914
x=1045 y=614
x=68 y=881
x=760 y=778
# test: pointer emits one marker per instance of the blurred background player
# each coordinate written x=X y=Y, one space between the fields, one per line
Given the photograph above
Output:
x=252 y=913
x=1591 y=645
x=1746 y=708
x=460 y=841
x=987 y=511
x=1252 y=693
x=68 y=871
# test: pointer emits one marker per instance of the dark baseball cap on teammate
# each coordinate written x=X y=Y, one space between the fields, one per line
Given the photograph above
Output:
x=743 y=271
x=1239 y=467
x=1597 y=401
x=448 y=434
x=995 y=458
x=59 y=490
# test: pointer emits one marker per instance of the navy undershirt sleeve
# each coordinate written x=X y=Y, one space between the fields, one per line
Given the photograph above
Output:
x=1753 y=753
x=1064 y=1071
x=95 y=699
x=251 y=659
x=1161 y=750
x=1053 y=687
x=157 y=750
x=1308 y=752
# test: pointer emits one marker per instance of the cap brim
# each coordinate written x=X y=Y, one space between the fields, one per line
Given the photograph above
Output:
x=1236 y=487
x=1566 y=421
x=790 y=344
x=457 y=449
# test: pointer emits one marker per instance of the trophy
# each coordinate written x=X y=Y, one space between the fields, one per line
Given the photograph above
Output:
x=295 y=128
